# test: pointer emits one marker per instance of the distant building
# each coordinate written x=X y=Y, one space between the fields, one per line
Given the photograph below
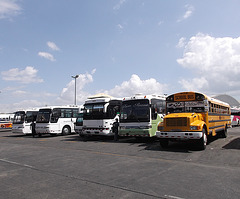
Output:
x=228 y=99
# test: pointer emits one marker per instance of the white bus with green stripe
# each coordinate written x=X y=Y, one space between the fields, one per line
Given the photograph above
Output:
x=141 y=114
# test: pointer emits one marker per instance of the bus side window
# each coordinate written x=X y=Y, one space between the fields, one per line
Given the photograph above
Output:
x=68 y=113
x=75 y=113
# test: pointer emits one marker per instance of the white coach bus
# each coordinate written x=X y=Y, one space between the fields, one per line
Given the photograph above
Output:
x=24 y=120
x=99 y=113
x=56 y=120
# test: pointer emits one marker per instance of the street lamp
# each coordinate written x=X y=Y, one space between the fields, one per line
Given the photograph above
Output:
x=75 y=99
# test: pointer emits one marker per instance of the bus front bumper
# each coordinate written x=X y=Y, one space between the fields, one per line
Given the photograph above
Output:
x=180 y=135
x=97 y=131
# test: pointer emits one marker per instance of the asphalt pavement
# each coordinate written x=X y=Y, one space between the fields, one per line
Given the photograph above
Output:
x=97 y=167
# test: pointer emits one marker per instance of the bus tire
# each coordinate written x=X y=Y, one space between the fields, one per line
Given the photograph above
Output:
x=224 y=132
x=164 y=143
x=66 y=130
x=202 y=142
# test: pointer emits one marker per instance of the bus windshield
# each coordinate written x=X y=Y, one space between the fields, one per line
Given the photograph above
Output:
x=183 y=107
x=135 y=111
x=98 y=111
x=30 y=116
x=19 y=117
x=43 y=116
x=93 y=111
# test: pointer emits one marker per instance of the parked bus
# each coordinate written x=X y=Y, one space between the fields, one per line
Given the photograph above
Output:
x=99 y=113
x=193 y=116
x=23 y=121
x=235 y=116
x=6 y=120
x=56 y=120
x=141 y=114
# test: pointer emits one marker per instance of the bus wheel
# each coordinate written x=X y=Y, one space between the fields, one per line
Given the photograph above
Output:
x=66 y=130
x=164 y=143
x=203 y=141
x=224 y=132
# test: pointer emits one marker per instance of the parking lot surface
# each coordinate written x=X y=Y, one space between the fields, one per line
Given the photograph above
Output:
x=96 y=167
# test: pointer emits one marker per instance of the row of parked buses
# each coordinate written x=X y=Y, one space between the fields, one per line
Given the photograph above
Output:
x=181 y=116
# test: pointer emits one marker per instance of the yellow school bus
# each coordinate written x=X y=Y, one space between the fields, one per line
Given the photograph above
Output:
x=193 y=116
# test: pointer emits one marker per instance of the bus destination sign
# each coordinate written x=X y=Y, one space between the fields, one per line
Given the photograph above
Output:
x=184 y=97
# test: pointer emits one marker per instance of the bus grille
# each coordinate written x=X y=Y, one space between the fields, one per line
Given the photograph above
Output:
x=181 y=121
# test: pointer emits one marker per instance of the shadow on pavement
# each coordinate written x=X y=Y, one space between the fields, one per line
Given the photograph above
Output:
x=234 y=144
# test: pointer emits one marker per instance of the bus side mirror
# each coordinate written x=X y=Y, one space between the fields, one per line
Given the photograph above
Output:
x=155 y=115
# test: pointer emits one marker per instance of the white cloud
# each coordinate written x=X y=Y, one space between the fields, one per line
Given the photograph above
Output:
x=15 y=98
x=160 y=23
x=93 y=71
x=215 y=62
x=119 y=26
x=67 y=94
x=26 y=76
x=9 y=8
x=52 y=46
x=188 y=13
x=136 y=85
x=19 y=92
x=195 y=84
x=46 y=56
x=24 y=104
x=119 y=4
x=181 y=42
x=127 y=88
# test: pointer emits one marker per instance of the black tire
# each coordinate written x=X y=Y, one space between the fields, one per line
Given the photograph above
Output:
x=202 y=143
x=164 y=143
x=66 y=130
x=224 y=132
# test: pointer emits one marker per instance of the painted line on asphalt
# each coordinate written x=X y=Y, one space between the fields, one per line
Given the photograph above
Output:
x=173 y=197
x=16 y=163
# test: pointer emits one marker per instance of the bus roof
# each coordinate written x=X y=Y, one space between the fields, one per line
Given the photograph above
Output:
x=100 y=98
x=61 y=106
x=141 y=96
x=29 y=109
x=100 y=95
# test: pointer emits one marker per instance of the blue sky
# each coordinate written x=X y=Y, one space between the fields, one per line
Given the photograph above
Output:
x=118 y=47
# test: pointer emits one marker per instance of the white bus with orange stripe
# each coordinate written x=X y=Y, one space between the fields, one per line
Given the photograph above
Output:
x=6 y=120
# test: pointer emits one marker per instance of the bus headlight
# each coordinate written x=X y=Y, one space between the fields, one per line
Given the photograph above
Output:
x=160 y=128
x=194 y=128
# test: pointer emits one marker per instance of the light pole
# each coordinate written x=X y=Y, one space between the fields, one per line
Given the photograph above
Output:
x=75 y=99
